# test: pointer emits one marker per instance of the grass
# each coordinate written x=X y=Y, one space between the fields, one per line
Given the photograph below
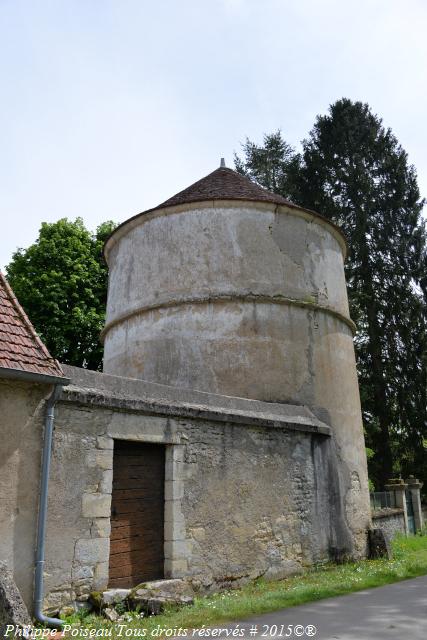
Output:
x=409 y=561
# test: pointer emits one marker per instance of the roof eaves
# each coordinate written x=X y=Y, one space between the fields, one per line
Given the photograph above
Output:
x=26 y=321
x=31 y=376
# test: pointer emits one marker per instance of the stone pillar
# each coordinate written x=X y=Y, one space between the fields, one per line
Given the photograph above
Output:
x=415 y=487
x=176 y=544
x=399 y=487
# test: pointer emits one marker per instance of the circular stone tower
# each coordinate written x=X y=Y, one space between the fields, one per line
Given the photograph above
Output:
x=230 y=289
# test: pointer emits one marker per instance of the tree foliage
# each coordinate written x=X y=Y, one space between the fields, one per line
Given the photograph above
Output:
x=61 y=282
x=273 y=165
x=353 y=171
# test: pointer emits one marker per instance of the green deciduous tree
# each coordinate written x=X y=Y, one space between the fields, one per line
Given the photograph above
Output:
x=353 y=171
x=61 y=281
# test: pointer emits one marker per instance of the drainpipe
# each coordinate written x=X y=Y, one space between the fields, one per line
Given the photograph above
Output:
x=41 y=527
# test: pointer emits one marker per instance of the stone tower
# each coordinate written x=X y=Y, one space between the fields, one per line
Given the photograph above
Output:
x=230 y=289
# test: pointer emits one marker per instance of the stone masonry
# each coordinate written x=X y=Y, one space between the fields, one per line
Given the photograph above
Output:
x=247 y=485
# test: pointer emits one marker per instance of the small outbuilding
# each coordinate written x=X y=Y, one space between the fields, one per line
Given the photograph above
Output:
x=224 y=439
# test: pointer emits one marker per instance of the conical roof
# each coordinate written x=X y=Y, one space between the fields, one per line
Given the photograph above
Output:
x=223 y=184
x=20 y=347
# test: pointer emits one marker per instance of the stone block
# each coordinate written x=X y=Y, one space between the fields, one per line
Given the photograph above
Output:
x=178 y=453
x=79 y=572
x=166 y=587
x=100 y=581
x=114 y=596
x=104 y=442
x=174 y=490
x=287 y=568
x=173 y=511
x=176 y=549
x=57 y=599
x=106 y=484
x=111 y=615
x=92 y=551
x=174 y=530
x=177 y=568
x=96 y=505
x=104 y=459
x=82 y=588
x=101 y=458
x=101 y=528
x=152 y=596
x=198 y=533
x=174 y=470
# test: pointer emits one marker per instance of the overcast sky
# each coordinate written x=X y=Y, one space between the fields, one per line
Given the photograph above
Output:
x=108 y=107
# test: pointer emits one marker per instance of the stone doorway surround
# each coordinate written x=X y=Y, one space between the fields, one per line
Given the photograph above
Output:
x=97 y=506
x=137 y=514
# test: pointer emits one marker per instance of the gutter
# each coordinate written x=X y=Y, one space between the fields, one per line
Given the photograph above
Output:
x=29 y=376
x=43 y=500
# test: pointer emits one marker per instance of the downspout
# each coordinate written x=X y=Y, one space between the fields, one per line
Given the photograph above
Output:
x=41 y=526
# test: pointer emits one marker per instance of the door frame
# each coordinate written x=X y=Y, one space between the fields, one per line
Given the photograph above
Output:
x=174 y=536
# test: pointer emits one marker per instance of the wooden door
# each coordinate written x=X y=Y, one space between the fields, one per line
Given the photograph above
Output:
x=137 y=514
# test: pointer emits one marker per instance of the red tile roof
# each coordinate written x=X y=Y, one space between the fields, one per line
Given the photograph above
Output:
x=20 y=347
x=224 y=184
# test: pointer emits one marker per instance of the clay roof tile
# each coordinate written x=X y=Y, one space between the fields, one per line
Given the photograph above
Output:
x=20 y=347
x=223 y=184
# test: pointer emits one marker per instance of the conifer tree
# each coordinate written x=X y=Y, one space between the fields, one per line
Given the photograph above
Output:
x=273 y=165
x=353 y=171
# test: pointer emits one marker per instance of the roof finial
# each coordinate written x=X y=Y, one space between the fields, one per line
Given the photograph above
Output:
x=222 y=165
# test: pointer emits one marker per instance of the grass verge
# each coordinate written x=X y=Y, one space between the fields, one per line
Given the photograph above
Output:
x=409 y=561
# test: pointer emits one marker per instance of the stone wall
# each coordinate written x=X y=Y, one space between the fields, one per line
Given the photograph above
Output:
x=392 y=521
x=21 y=427
x=250 y=488
x=244 y=299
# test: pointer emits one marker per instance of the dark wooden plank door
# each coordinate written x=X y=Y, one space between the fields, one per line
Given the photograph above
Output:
x=137 y=514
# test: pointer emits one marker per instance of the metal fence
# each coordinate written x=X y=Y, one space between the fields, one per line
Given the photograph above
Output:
x=383 y=500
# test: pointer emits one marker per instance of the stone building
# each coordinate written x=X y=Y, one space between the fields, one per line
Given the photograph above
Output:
x=224 y=439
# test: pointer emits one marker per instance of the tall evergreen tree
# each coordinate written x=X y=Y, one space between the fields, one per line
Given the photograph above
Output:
x=273 y=165
x=353 y=171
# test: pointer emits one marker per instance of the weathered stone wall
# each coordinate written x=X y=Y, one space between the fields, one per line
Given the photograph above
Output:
x=244 y=299
x=249 y=490
x=392 y=521
x=218 y=297
x=21 y=427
